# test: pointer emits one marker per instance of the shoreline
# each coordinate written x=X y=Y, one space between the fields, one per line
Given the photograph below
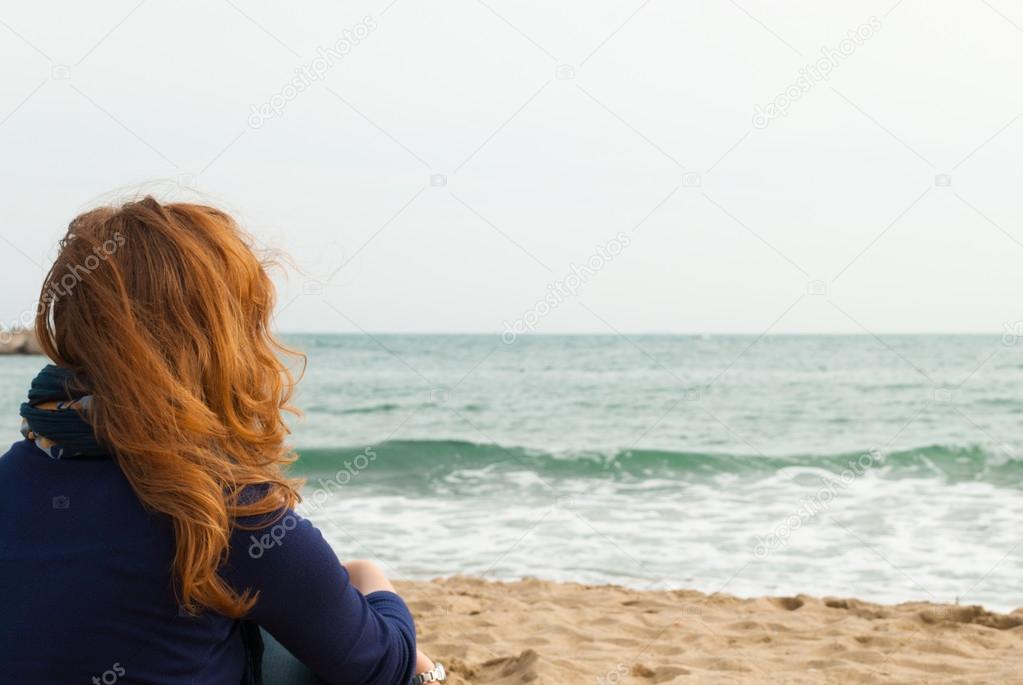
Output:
x=535 y=631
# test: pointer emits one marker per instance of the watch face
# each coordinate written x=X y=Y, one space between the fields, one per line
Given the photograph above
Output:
x=439 y=672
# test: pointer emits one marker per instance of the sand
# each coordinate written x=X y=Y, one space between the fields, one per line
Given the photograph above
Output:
x=550 y=633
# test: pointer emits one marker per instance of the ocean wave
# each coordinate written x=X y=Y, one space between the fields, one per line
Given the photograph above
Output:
x=433 y=458
x=372 y=409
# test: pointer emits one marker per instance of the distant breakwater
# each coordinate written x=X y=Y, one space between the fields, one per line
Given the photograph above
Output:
x=19 y=342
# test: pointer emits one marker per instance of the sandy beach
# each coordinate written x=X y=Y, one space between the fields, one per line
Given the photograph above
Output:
x=537 y=632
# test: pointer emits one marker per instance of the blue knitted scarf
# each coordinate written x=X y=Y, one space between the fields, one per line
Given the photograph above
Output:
x=67 y=426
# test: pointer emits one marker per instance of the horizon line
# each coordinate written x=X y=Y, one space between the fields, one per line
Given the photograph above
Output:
x=592 y=334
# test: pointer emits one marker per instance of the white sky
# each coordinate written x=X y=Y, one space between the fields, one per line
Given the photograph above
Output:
x=97 y=99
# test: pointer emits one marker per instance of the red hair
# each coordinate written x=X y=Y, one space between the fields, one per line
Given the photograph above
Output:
x=163 y=311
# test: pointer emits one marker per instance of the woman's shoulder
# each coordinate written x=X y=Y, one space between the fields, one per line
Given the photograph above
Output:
x=15 y=453
x=263 y=544
x=261 y=497
x=18 y=452
x=24 y=464
x=16 y=468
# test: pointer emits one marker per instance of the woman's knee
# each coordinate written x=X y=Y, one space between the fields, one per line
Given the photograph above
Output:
x=367 y=576
x=363 y=566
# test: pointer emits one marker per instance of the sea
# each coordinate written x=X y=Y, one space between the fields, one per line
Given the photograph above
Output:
x=886 y=468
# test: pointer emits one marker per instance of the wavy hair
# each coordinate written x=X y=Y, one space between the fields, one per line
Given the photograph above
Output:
x=163 y=313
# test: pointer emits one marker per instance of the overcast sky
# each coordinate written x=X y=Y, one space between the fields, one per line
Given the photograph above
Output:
x=444 y=167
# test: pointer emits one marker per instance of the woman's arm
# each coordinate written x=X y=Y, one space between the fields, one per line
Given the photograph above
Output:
x=367 y=577
x=312 y=605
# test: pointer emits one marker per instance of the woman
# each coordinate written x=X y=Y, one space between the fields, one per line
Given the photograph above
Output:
x=153 y=458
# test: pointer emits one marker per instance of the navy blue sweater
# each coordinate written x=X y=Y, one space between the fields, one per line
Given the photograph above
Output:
x=86 y=593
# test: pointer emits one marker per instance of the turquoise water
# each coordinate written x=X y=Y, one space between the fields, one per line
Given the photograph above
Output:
x=887 y=469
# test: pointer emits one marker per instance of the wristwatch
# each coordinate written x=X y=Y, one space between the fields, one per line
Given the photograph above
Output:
x=435 y=676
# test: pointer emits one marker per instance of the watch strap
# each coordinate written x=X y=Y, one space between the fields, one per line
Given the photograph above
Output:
x=436 y=675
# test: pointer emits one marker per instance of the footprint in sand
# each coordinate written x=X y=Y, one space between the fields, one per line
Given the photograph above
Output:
x=788 y=603
x=511 y=669
x=658 y=675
